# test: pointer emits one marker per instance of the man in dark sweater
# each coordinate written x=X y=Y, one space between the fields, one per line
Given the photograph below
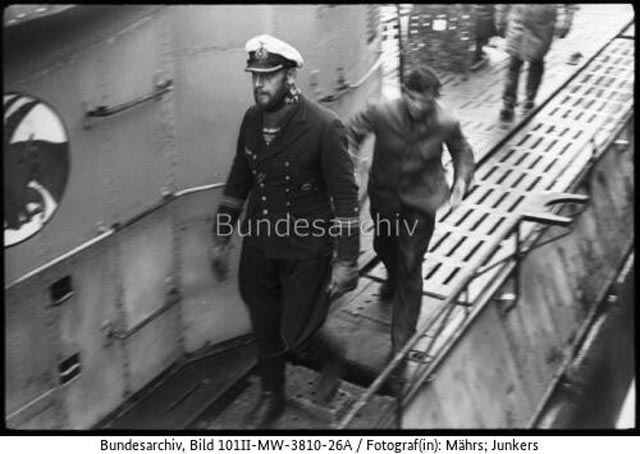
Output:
x=407 y=185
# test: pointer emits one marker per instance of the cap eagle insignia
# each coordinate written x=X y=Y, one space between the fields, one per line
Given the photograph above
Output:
x=262 y=53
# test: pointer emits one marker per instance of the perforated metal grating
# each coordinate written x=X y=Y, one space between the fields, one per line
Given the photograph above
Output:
x=542 y=158
x=545 y=156
x=554 y=146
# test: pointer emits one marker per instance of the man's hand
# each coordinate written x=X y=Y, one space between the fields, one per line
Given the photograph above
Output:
x=219 y=260
x=457 y=192
x=344 y=278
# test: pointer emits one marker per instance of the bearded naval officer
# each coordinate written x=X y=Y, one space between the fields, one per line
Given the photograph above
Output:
x=291 y=167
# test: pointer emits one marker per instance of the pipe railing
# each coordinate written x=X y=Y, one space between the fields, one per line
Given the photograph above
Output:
x=108 y=232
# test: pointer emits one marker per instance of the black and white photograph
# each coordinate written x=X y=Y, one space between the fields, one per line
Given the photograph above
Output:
x=283 y=218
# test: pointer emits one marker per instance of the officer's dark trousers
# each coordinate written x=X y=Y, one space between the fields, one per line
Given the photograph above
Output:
x=288 y=304
x=534 y=78
x=402 y=248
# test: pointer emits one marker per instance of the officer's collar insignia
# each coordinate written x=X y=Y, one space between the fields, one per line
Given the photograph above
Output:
x=262 y=53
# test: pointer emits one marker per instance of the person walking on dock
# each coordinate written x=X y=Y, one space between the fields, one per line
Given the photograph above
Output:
x=293 y=166
x=407 y=184
x=528 y=29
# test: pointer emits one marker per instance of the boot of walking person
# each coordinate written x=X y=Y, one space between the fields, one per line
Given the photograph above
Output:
x=271 y=403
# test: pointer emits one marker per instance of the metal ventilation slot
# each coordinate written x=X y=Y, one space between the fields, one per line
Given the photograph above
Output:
x=484 y=197
x=551 y=145
x=516 y=203
x=456 y=246
x=534 y=184
x=439 y=242
x=451 y=275
x=518 y=180
x=504 y=177
x=479 y=221
x=473 y=251
x=551 y=164
x=464 y=217
x=69 y=368
x=496 y=225
x=499 y=201
x=433 y=271
x=524 y=156
x=61 y=290
x=491 y=171
x=535 y=162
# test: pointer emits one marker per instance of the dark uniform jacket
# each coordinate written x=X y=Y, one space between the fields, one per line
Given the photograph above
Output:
x=407 y=158
x=303 y=181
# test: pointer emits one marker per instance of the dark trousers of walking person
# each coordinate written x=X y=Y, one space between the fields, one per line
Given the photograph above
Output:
x=288 y=304
x=534 y=78
x=402 y=250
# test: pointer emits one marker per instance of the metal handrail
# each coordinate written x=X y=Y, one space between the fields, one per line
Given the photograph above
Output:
x=160 y=88
x=168 y=198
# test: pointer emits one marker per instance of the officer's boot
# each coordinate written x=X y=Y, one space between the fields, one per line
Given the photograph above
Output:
x=271 y=402
x=331 y=355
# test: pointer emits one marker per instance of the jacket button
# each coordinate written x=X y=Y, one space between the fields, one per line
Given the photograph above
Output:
x=255 y=157
x=264 y=198
x=286 y=163
x=262 y=185
x=265 y=211
x=288 y=203
x=287 y=190
x=287 y=177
